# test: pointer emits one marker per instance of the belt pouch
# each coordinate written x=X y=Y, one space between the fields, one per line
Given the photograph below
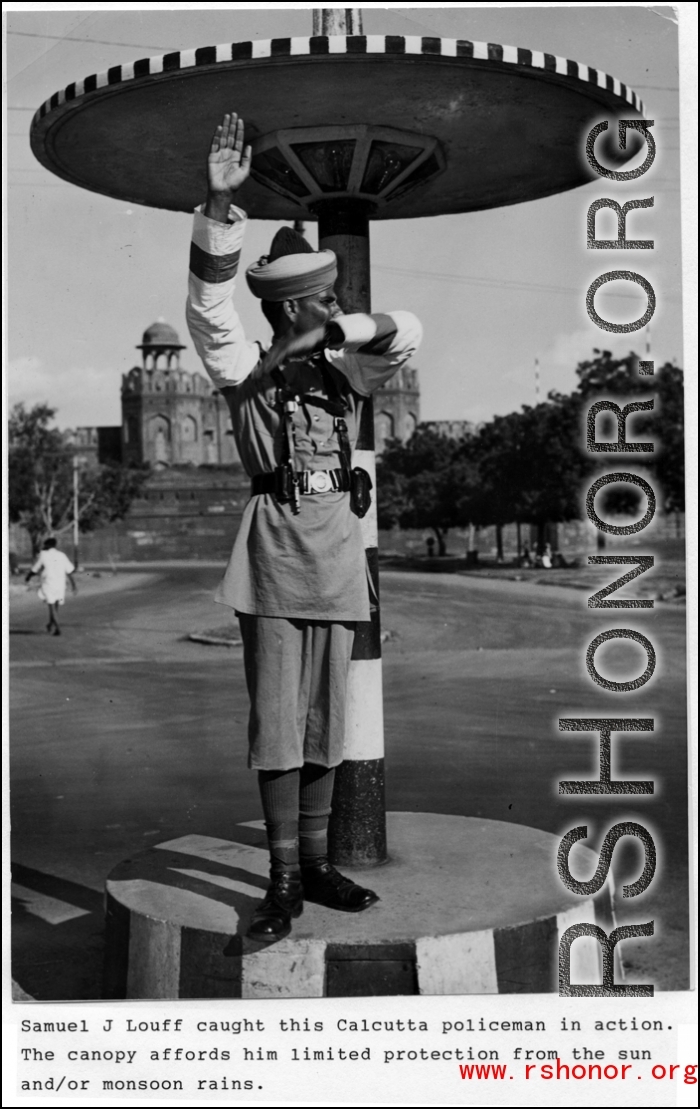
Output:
x=360 y=497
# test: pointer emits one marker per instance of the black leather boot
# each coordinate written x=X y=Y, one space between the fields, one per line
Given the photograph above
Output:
x=284 y=901
x=325 y=886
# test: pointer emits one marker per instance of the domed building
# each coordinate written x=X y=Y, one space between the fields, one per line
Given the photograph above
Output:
x=171 y=417
x=161 y=340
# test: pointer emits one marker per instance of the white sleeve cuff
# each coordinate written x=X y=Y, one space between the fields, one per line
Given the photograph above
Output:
x=219 y=238
x=357 y=327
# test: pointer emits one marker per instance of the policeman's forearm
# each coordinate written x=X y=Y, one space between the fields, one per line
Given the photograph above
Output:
x=391 y=335
x=218 y=204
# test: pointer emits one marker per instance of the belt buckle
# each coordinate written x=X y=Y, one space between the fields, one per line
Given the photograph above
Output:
x=320 y=482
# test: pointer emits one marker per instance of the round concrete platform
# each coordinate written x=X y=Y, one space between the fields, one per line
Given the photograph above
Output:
x=467 y=906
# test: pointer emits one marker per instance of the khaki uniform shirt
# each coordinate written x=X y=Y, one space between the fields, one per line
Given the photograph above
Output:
x=311 y=565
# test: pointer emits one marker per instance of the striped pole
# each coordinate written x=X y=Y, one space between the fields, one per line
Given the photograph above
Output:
x=337 y=21
x=357 y=832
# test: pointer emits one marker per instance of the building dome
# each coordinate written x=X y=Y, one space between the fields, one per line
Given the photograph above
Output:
x=161 y=334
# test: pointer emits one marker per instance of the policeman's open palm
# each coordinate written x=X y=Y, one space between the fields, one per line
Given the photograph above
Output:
x=228 y=164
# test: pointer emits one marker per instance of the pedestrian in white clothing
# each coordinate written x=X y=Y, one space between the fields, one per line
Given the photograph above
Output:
x=53 y=568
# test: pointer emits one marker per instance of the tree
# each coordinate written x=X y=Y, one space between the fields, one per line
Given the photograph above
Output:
x=529 y=467
x=40 y=480
x=40 y=468
x=421 y=484
x=606 y=377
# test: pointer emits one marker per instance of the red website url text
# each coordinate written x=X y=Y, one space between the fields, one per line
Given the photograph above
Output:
x=578 y=1071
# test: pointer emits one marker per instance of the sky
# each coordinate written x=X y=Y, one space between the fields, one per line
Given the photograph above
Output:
x=495 y=290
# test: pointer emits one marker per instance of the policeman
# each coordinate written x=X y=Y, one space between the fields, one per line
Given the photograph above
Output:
x=298 y=577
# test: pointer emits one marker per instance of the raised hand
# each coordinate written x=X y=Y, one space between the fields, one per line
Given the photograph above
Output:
x=228 y=163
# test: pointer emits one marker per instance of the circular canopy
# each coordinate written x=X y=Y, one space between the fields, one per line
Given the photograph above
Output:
x=509 y=123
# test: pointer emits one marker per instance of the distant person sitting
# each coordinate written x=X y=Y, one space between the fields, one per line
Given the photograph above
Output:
x=525 y=558
x=53 y=568
x=547 y=557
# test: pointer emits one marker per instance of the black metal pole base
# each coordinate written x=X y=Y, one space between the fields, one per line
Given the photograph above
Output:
x=357 y=829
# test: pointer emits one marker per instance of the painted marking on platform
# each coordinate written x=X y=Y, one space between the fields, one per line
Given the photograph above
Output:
x=457 y=964
x=288 y=969
x=154 y=958
x=586 y=952
x=49 y=909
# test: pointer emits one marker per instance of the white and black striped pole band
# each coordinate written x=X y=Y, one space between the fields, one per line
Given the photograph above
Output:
x=357 y=832
x=317 y=46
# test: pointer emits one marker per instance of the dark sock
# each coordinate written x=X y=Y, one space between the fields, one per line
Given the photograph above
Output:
x=279 y=792
x=315 y=793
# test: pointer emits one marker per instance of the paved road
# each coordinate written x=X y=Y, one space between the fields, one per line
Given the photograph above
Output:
x=125 y=733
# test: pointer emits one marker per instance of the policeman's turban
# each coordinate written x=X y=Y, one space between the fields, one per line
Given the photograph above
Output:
x=292 y=269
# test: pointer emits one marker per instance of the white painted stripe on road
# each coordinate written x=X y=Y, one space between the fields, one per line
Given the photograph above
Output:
x=18 y=994
x=50 y=909
x=33 y=663
x=462 y=963
x=292 y=968
x=223 y=881
x=364 y=720
x=154 y=958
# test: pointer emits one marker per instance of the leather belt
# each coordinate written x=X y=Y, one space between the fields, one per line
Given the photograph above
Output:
x=310 y=482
